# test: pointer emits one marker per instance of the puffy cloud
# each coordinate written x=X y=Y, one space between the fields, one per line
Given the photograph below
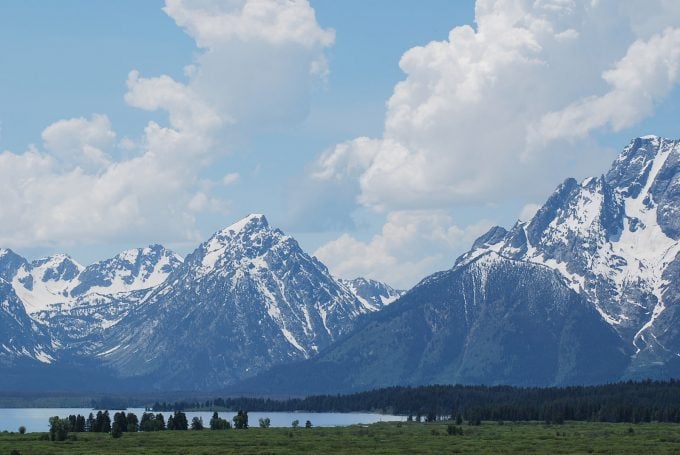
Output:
x=46 y=205
x=640 y=80
x=498 y=113
x=260 y=59
x=483 y=112
x=256 y=66
x=410 y=245
x=81 y=142
x=188 y=112
x=212 y=23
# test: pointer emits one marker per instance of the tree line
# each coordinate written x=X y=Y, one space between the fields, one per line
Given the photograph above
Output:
x=631 y=401
x=129 y=423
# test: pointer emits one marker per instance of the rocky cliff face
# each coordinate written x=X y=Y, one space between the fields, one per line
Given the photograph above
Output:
x=245 y=300
x=614 y=239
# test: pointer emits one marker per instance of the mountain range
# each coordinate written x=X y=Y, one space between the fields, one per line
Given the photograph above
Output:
x=584 y=292
x=243 y=301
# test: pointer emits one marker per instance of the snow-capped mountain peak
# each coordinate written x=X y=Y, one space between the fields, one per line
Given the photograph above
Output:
x=249 y=222
x=372 y=294
x=244 y=243
x=250 y=287
x=130 y=270
x=58 y=267
x=614 y=239
x=46 y=282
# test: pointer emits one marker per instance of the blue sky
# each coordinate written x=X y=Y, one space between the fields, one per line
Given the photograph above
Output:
x=289 y=117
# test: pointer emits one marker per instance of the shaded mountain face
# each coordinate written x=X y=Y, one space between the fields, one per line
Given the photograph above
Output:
x=584 y=292
x=245 y=300
x=493 y=320
x=615 y=240
x=20 y=337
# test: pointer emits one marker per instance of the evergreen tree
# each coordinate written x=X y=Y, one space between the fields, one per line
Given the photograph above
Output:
x=197 y=423
x=90 y=424
x=160 y=422
x=308 y=424
x=148 y=422
x=171 y=423
x=180 y=421
x=119 y=422
x=264 y=423
x=132 y=422
x=81 y=425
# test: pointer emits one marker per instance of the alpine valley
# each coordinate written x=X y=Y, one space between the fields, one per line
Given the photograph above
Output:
x=585 y=292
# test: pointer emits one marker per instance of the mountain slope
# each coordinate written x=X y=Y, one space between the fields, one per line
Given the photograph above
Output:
x=20 y=337
x=71 y=303
x=492 y=321
x=615 y=239
x=245 y=300
x=586 y=291
x=374 y=295
x=104 y=292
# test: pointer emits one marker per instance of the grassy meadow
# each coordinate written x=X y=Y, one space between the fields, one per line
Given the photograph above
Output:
x=490 y=437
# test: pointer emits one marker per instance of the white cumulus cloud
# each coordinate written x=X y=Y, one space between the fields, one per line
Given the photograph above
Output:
x=463 y=125
x=503 y=112
x=410 y=245
x=81 y=142
x=256 y=65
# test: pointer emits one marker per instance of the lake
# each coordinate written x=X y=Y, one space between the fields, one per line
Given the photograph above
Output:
x=37 y=419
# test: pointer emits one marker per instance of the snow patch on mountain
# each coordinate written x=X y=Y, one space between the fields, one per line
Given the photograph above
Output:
x=611 y=238
x=46 y=282
x=372 y=294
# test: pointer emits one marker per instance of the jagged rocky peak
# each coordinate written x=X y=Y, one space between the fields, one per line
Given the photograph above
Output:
x=243 y=229
x=614 y=239
x=248 y=239
x=647 y=175
x=129 y=270
x=58 y=267
x=20 y=337
x=249 y=288
x=10 y=262
x=631 y=169
x=493 y=236
x=372 y=294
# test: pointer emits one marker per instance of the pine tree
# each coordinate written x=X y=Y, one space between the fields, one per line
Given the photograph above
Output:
x=132 y=422
x=160 y=422
x=197 y=423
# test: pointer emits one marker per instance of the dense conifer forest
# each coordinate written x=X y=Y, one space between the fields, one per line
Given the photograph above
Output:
x=631 y=401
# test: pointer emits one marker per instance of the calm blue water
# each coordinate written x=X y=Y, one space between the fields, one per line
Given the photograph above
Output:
x=36 y=419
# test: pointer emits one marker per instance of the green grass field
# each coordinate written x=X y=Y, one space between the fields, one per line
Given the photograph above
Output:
x=490 y=437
